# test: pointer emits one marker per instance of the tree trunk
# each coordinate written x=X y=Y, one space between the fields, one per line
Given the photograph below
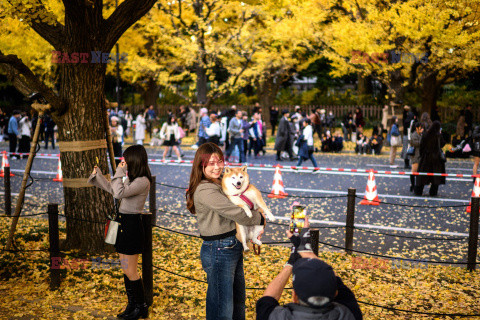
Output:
x=364 y=88
x=150 y=95
x=267 y=90
x=429 y=93
x=201 y=85
x=82 y=87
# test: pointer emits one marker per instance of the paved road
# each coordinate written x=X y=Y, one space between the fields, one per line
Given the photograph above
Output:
x=443 y=222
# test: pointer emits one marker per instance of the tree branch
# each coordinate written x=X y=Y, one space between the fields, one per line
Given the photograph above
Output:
x=127 y=13
x=27 y=82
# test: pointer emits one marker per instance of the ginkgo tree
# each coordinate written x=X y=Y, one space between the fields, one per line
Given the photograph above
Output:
x=70 y=28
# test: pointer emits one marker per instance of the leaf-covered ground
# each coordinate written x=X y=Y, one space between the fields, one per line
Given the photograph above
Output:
x=95 y=292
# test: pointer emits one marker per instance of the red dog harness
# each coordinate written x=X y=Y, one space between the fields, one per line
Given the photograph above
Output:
x=245 y=199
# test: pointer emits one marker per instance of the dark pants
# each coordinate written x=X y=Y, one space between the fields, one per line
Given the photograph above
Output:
x=318 y=129
x=288 y=148
x=202 y=140
x=274 y=125
x=245 y=148
x=48 y=136
x=222 y=261
x=12 y=141
x=433 y=189
x=236 y=142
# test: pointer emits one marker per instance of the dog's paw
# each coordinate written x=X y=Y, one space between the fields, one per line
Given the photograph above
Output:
x=257 y=242
x=269 y=215
x=248 y=212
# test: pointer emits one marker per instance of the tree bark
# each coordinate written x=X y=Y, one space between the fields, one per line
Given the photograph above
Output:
x=150 y=95
x=430 y=92
x=201 y=85
x=267 y=90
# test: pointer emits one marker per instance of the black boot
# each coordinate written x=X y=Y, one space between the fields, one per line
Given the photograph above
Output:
x=131 y=301
x=407 y=164
x=141 y=309
x=412 y=182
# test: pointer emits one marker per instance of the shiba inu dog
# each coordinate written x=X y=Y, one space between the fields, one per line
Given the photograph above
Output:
x=236 y=185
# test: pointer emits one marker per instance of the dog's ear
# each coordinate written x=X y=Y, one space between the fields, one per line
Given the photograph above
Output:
x=227 y=170
x=244 y=168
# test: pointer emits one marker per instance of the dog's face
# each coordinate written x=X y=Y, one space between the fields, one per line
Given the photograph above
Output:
x=235 y=180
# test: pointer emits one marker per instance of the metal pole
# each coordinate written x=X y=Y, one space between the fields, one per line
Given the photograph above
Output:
x=55 y=259
x=8 y=191
x=147 y=258
x=473 y=235
x=350 y=220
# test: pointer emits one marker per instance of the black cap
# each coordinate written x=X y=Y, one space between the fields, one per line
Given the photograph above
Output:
x=314 y=282
x=285 y=111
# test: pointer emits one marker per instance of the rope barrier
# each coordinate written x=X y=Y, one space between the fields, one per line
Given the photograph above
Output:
x=409 y=237
x=415 y=206
x=421 y=312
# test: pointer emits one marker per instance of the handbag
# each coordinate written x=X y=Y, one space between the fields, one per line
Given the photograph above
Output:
x=112 y=224
x=395 y=141
x=467 y=148
x=411 y=151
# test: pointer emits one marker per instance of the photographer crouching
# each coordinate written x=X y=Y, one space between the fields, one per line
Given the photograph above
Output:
x=317 y=292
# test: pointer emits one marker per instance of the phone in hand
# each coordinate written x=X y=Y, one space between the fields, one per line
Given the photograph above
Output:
x=98 y=162
x=297 y=220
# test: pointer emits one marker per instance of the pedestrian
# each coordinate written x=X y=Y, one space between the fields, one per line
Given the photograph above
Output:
x=214 y=131
x=425 y=119
x=13 y=133
x=317 y=292
x=432 y=160
x=337 y=142
x=348 y=126
x=283 y=139
x=203 y=125
x=132 y=192
x=316 y=122
x=116 y=131
x=255 y=134
x=395 y=140
x=305 y=144
x=461 y=127
x=170 y=134
x=408 y=118
x=236 y=135
x=361 y=144
x=330 y=121
x=140 y=127
x=25 y=132
x=476 y=150
x=129 y=119
x=375 y=144
x=359 y=121
x=150 y=117
x=415 y=139
x=221 y=253
x=49 y=131
x=273 y=118
x=246 y=133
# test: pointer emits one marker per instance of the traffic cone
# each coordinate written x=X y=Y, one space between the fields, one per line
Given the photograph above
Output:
x=278 y=190
x=5 y=164
x=371 y=196
x=475 y=192
x=59 y=177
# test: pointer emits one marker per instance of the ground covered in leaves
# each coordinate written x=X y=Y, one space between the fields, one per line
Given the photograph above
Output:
x=92 y=290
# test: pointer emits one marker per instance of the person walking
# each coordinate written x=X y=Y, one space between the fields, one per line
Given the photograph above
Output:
x=25 y=131
x=13 y=133
x=236 y=135
x=305 y=144
x=256 y=138
x=476 y=150
x=171 y=134
x=214 y=131
x=415 y=139
x=49 y=131
x=132 y=192
x=246 y=133
x=283 y=139
x=116 y=131
x=140 y=127
x=395 y=140
x=221 y=253
x=408 y=117
x=273 y=118
x=129 y=119
x=432 y=159
x=203 y=125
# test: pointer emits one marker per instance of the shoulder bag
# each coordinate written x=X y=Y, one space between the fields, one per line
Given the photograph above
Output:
x=112 y=224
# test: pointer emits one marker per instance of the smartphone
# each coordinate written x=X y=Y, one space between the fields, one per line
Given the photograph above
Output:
x=297 y=220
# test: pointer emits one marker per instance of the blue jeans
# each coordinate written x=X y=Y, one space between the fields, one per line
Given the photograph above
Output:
x=236 y=142
x=310 y=156
x=222 y=260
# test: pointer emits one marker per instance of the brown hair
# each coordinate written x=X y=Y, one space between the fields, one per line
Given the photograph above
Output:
x=202 y=156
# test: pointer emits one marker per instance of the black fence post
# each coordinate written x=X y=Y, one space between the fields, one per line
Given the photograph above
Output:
x=55 y=259
x=147 y=258
x=350 y=220
x=314 y=237
x=8 y=191
x=473 y=235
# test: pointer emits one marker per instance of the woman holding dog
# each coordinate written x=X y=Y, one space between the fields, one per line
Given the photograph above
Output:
x=221 y=252
x=130 y=238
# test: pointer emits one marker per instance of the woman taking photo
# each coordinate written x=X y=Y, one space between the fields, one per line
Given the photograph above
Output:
x=221 y=253
x=171 y=133
x=415 y=139
x=432 y=159
x=130 y=238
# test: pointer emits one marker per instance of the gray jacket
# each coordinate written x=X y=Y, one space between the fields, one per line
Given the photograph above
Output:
x=415 y=139
x=294 y=311
x=234 y=128
x=133 y=194
x=216 y=214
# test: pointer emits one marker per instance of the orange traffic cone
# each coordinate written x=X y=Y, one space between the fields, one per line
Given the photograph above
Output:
x=59 y=177
x=278 y=190
x=5 y=164
x=475 y=192
x=371 y=196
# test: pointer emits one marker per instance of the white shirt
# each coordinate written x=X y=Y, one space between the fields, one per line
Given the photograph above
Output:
x=308 y=135
x=25 y=127
x=214 y=129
